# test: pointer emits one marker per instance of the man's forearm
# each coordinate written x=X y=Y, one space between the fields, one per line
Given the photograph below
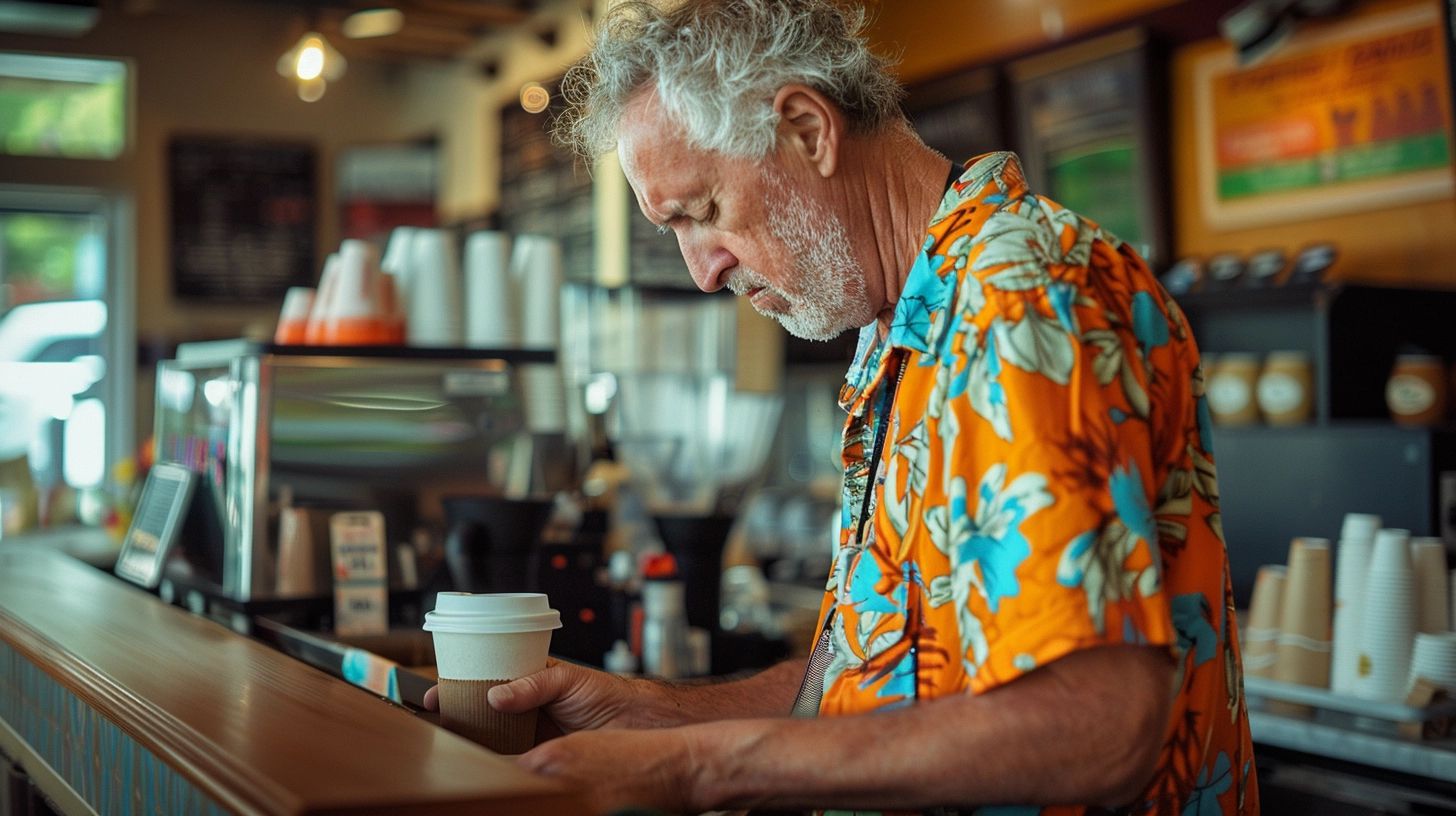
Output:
x=769 y=693
x=1086 y=729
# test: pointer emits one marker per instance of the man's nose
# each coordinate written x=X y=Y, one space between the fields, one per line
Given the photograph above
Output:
x=709 y=265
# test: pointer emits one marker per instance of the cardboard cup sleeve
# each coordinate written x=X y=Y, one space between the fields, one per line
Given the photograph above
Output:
x=464 y=710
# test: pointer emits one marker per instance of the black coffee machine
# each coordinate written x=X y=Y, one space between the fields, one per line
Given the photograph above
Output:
x=494 y=544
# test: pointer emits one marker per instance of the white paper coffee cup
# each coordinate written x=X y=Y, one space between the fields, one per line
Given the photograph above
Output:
x=483 y=641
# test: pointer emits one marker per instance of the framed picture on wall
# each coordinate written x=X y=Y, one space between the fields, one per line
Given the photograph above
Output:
x=243 y=217
x=1349 y=117
x=1089 y=135
x=958 y=115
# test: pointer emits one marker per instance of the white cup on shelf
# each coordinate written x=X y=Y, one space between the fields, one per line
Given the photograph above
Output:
x=1352 y=563
x=537 y=273
x=1433 y=658
x=491 y=304
x=433 y=299
x=1388 y=624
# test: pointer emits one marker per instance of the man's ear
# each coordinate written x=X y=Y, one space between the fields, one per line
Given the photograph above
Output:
x=810 y=126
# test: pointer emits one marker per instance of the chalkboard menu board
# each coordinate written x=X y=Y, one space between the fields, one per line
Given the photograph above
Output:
x=243 y=218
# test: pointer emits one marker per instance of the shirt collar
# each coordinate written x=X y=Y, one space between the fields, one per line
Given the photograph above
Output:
x=922 y=314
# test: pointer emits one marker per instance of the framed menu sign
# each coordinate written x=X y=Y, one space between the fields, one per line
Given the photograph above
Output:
x=243 y=218
x=159 y=515
x=1349 y=117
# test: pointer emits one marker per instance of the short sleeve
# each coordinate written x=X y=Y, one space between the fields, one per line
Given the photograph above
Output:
x=1050 y=478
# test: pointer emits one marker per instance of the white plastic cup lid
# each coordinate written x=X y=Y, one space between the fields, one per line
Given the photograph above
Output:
x=492 y=614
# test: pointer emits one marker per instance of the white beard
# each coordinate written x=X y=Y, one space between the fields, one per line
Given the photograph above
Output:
x=829 y=294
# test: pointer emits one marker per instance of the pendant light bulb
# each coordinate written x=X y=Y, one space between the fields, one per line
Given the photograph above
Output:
x=312 y=58
x=310 y=64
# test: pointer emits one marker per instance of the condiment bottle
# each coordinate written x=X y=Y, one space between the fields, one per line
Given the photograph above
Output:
x=665 y=620
x=1231 y=389
x=1416 y=390
x=1285 y=388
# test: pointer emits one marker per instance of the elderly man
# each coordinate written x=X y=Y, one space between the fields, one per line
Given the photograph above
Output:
x=1030 y=601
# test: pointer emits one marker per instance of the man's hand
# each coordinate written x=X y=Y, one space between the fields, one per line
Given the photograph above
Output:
x=617 y=769
x=578 y=698
x=575 y=698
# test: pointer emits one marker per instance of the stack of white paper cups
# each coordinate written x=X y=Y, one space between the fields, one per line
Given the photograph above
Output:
x=1434 y=659
x=482 y=641
x=1428 y=557
x=490 y=303
x=1388 y=620
x=433 y=291
x=1304 y=616
x=536 y=271
x=1261 y=636
x=1352 y=561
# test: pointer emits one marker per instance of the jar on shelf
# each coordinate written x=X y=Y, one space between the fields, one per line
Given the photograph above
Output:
x=1231 y=389
x=1416 y=390
x=1285 y=391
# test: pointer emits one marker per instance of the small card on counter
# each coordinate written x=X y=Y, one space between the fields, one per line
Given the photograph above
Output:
x=361 y=591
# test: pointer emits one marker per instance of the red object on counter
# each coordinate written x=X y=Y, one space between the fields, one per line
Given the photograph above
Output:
x=659 y=567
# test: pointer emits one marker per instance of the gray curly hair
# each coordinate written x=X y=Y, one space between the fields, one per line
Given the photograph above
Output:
x=716 y=65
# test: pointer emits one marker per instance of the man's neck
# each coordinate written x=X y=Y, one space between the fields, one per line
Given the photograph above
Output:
x=906 y=181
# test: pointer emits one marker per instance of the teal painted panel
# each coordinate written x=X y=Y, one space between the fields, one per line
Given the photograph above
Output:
x=108 y=769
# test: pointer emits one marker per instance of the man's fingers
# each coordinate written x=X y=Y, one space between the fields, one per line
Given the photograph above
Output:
x=432 y=698
x=531 y=691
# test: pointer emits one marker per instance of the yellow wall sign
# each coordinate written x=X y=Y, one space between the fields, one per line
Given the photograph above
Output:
x=1352 y=116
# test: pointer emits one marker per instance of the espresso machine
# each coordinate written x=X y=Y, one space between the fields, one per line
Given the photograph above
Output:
x=392 y=429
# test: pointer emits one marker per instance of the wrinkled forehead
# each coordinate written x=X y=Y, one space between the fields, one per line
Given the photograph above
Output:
x=645 y=131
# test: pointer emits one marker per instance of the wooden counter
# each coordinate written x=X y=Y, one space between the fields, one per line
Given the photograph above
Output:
x=140 y=707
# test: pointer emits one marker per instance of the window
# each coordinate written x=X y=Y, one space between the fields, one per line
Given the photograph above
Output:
x=64 y=408
x=70 y=107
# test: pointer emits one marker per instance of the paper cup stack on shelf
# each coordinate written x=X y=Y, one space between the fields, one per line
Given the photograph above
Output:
x=1352 y=561
x=1261 y=635
x=355 y=304
x=490 y=313
x=1388 y=621
x=1303 y=654
x=1391 y=615
x=432 y=281
x=535 y=278
x=1428 y=556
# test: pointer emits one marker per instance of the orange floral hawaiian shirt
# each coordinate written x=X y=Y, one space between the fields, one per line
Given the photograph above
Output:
x=1046 y=485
